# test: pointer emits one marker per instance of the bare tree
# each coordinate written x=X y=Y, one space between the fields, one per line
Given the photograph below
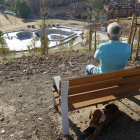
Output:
x=95 y=8
x=4 y=50
x=44 y=15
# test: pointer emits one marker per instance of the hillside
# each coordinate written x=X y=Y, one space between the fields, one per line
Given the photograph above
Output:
x=26 y=104
x=6 y=20
x=11 y=23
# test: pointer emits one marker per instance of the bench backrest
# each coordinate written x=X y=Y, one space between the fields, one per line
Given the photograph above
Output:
x=101 y=85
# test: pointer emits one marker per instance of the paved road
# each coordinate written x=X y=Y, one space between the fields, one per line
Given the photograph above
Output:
x=101 y=39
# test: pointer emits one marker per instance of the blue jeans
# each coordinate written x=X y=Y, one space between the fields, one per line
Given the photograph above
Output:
x=90 y=69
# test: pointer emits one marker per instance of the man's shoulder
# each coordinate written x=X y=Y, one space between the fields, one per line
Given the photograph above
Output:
x=107 y=44
x=104 y=44
x=125 y=45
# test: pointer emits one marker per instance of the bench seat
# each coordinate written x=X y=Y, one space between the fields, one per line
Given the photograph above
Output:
x=88 y=103
x=75 y=93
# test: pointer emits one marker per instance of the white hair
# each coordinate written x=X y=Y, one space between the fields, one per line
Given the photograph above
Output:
x=114 y=30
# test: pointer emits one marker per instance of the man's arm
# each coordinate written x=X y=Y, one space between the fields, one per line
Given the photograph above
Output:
x=97 y=55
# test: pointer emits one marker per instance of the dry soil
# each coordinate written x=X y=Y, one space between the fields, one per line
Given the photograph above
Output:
x=26 y=105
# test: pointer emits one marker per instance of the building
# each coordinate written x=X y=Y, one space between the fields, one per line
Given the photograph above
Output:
x=122 y=1
x=37 y=4
x=115 y=10
x=57 y=7
x=1 y=1
x=119 y=9
x=59 y=11
x=76 y=8
x=102 y=17
x=11 y=3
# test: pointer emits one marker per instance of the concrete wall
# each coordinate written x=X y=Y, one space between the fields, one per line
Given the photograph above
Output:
x=57 y=37
x=56 y=31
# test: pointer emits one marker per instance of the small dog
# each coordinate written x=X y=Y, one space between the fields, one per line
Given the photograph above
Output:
x=99 y=118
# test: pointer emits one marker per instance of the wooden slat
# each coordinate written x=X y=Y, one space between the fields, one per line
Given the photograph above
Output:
x=59 y=92
x=102 y=100
x=136 y=26
x=53 y=89
x=102 y=76
x=57 y=101
x=56 y=95
x=138 y=45
x=59 y=108
x=103 y=92
x=102 y=84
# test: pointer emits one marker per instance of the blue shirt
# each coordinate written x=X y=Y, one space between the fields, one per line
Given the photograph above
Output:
x=112 y=56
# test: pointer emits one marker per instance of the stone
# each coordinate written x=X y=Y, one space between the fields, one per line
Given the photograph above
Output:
x=2 y=131
x=2 y=119
x=20 y=95
x=40 y=119
x=11 y=135
x=11 y=79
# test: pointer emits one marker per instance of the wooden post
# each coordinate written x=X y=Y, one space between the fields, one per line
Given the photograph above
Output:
x=131 y=30
x=42 y=43
x=130 y=35
x=95 y=40
x=138 y=45
x=90 y=38
x=47 y=44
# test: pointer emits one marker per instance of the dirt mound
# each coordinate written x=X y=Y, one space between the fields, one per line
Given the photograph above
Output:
x=8 y=20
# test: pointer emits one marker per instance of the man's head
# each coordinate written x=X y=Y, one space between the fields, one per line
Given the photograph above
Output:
x=114 y=31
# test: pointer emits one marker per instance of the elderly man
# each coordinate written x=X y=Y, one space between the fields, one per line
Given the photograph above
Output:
x=112 y=55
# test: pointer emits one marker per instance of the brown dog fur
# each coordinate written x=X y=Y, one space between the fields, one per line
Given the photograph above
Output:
x=109 y=113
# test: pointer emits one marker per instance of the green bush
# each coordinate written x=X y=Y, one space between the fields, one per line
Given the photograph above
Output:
x=84 y=16
x=6 y=7
x=6 y=3
x=23 y=8
x=79 y=16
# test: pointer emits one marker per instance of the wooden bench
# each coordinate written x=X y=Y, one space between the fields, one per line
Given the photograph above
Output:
x=74 y=93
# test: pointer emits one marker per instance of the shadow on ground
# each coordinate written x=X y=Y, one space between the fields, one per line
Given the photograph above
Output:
x=124 y=128
x=28 y=20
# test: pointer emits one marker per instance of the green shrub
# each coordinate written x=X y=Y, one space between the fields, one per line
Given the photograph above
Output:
x=6 y=7
x=79 y=16
x=6 y=3
x=84 y=16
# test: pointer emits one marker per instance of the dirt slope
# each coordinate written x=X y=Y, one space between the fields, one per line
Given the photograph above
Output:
x=26 y=107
